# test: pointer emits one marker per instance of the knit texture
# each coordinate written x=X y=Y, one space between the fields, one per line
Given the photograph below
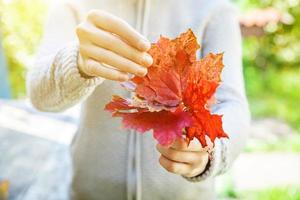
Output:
x=61 y=83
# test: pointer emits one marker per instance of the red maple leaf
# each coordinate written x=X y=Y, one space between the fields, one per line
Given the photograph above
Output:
x=175 y=95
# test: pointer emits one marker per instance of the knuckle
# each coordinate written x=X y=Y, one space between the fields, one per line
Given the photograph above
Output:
x=198 y=158
x=118 y=77
x=191 y=158
x=92 y=14
x=160 y=160
x=136 y=56
x=139 y=59
x=109 y=42
x=131 y=69
x=79 y=29
x=172 y=154
x=190 y=174
x=204 y=157
x=157 y=147
x=115 y=75
x=167 y=165
x=138 y=71
x=85 y=28
x=122 y=77
x=90 y=68
x=82 y=49
x=82 y=30
x=171 y=168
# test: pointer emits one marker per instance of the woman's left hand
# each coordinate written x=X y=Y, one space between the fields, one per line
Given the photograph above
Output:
x=182 y=159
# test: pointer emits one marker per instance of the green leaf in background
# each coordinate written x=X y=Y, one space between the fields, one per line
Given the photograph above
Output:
x=272 y=64
x=21 y=24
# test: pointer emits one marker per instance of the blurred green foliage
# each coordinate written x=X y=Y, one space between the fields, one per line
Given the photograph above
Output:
x=272 y=62
x=21 y=27
x=286 y=144
x=227 y=190
x=276 y=193
x=280 y=193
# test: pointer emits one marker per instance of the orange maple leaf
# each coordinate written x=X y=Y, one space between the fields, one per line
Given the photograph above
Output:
x=175 y=95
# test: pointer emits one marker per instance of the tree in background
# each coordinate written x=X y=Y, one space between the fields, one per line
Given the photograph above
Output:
x=21 y=26
x=272 y=63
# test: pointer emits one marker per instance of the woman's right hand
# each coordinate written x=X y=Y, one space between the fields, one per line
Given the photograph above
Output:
x=110 y=48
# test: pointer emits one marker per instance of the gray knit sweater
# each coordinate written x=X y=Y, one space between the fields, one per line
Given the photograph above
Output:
x=113 y=163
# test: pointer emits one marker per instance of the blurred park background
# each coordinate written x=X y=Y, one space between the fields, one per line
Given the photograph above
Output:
x=268 y=169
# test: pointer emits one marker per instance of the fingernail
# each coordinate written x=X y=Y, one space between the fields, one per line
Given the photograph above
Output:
x=147 y=60
x=142 y=72
x=144 y=45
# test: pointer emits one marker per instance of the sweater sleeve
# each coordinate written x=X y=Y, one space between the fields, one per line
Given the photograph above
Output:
x=222 y=34
x=54 y=82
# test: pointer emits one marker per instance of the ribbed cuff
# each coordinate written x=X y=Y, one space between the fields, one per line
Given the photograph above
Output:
x=71 y=83
x=216 y=165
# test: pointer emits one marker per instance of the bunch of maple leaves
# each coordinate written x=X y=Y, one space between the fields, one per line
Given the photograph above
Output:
x=175 y=96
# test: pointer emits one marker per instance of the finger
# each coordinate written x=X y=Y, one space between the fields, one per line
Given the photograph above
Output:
x=94 y=68
x=174 y=167
x=199 y=166
x=112 y=42
x=178 y=156
x=196 y=145
x=119 y=27
x=112 y=59
x=180 y=144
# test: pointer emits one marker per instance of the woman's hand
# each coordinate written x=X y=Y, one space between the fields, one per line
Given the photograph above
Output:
x=111 y=48
x=181 y=159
